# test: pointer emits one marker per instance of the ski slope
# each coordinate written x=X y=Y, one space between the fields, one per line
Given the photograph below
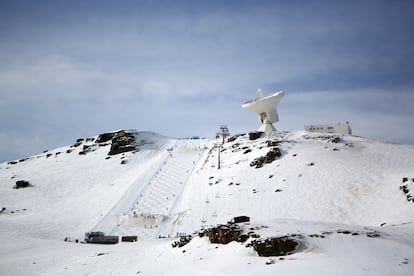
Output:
x=157 y=200
x=321 y=183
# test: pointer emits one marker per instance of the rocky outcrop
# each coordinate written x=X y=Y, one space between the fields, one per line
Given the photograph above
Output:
x=275 y=246
x=122 y=141
x=335 y=140
x=405 y=188
x=234 y=137
x=21 y=184
x=236 y=230
x=226 y=233
x=105 y=137
x=255 y=135
x=182 y=241
x=270 y=143
x=86 y=149
x=266 y=159
x=223 y=234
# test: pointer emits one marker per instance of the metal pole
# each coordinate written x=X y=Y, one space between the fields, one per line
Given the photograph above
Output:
x=218 y=156
x=224 y=133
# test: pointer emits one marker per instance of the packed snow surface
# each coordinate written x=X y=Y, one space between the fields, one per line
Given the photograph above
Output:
x=349 y=199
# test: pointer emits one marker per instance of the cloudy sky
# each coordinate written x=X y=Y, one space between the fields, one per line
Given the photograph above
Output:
x=71 y=69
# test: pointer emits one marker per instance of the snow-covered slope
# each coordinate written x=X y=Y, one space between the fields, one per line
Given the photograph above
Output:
x=334 y=190
x=342 y=179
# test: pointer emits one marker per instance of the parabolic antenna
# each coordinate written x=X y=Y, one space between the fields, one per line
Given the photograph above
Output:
x=265 y=108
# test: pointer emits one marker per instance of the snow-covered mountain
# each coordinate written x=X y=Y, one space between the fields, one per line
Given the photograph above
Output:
x=348 y=201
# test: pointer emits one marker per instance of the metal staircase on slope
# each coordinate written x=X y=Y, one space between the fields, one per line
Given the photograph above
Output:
x=158 y=199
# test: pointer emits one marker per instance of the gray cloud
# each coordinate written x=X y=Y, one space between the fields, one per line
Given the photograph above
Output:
x=74 y=70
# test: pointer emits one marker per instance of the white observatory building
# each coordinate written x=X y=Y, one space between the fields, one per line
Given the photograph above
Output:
x=330 y=128
x=265 y=108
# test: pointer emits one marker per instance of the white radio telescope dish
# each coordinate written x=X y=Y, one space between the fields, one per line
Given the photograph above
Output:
x=265 y=108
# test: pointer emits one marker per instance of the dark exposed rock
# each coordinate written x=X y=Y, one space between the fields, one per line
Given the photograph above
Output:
x=275 y=246
x=21 y=184
x=269 y=262
x=257 y=162
x=234 y=137
x=243 y=238
x=373 y=234
x=272 y=155
x=236 y=145
x=182 y=241
x=104 y=137
x=86 y=149
x=223 y=234
x=405 y=261
x=335 y=140
x=268 y=158
x=255 y=135
x=104 y=144
x=405 y=188
x=122 y=142
x=247 y=151
x=272 y=143
x=346 y=232
x=77 y=144
x=232 y=231
x=316 y=236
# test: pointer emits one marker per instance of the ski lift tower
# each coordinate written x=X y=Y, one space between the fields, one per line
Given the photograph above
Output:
x=224 y=132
